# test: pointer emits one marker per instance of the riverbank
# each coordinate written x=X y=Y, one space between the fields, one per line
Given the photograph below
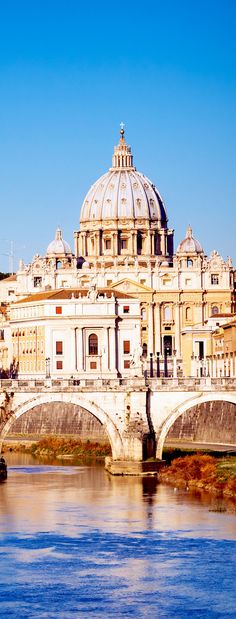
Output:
x=61 y=448
x=203 y=472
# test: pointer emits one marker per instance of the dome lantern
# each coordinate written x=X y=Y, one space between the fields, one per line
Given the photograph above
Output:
x=122 y=158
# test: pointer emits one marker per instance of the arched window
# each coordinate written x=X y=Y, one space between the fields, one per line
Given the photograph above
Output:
x=144 y=353
x=58 y=264
x=215 y=309
x=139 y=243
x=189 y=262
x=167 y=313
x=93 y=344
x=188 y=313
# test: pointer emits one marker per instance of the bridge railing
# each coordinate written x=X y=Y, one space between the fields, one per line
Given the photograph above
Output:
x=136 y=382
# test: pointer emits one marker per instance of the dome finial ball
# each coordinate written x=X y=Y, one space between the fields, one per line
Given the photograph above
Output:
x=122 y=129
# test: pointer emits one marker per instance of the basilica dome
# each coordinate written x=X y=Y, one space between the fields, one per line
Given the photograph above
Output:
x=58 y=247
x=189 y=244
x=123 y=193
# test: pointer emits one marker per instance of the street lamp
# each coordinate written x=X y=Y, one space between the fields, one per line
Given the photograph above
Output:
x=47 y=360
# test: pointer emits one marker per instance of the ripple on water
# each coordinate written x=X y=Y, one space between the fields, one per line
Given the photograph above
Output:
x=76 y=542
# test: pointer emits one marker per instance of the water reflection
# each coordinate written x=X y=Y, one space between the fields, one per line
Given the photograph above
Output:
x=76 y=541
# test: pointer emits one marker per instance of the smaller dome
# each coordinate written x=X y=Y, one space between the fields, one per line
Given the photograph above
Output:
x=58 y=247
x=189 y=245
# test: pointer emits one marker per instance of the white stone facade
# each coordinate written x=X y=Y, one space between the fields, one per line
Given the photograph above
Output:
x=123 y=256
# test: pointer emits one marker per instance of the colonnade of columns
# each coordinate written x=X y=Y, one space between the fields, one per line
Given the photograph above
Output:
x=216 y=366
x=154 y=242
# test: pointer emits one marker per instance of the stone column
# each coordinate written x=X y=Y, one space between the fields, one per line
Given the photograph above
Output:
x=222 y=366
x=163 y=243
x=193 y=366
x=234 y=364
x=174 y=365
x=134 y=243
x=177 y=330
x=80 y=351
x=83 y=245
x=150 y=328
x=96 y=244
x=105 y=350
x=227 y=365
x=231 y=365
x=114 y=244
x=210 y=360
x=112 y=348
x=149 y=243
x=152 y=242
x=157 y=327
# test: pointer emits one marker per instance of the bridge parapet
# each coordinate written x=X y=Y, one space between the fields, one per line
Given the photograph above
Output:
x=118 y=384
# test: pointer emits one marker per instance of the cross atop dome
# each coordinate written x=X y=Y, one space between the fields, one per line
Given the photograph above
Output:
x=122 y=158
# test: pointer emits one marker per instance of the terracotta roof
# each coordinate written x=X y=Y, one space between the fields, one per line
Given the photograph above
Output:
x=66 y=293
x=225 y=315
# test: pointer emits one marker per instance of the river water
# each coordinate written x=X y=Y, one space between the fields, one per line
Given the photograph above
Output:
x=76 y=542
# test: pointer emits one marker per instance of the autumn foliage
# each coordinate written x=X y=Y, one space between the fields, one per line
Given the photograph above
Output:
x=202 y=471
x=56 y=446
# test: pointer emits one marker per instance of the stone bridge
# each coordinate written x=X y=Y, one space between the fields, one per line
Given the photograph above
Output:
x=137 y=414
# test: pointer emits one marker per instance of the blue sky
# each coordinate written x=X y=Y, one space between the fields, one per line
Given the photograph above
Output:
x=70 y=71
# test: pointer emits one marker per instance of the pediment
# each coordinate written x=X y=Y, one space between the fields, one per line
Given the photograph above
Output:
x=131 y=287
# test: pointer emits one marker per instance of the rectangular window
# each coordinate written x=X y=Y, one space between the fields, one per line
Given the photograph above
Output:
x=37 y=282
x=93 y=365
x=214 y=279
x=126 y=364
x=108 y=244
x=58 y=309
x=126 y=309
x=59 y=348
x=126 y=347
x=59 y=365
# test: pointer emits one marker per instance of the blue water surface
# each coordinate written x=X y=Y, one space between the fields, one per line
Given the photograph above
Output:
x=76 y=542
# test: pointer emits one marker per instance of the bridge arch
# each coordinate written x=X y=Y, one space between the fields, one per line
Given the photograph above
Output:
x=185 y=406
x=70 y=398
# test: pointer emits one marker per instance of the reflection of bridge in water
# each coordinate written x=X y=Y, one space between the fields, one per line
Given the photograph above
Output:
x=137 y=414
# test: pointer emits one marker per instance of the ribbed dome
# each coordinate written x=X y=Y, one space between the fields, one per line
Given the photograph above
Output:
x=189 y=244
x=58 y=246
x=123 y=193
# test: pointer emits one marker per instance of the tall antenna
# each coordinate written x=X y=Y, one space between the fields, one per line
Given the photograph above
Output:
x=10 y=254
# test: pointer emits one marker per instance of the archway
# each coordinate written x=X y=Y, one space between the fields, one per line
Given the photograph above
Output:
x=90 y=407
x=203 y=407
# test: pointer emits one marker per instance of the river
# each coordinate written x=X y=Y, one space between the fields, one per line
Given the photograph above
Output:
x=76 y=542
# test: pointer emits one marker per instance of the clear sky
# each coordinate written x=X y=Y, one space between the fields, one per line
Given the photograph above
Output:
x=70 y=71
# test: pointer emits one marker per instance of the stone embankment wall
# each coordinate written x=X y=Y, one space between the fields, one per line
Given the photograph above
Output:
x=209 y=422
x=60 y=419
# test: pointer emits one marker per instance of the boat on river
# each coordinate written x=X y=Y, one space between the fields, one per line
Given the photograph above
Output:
x=3 y=470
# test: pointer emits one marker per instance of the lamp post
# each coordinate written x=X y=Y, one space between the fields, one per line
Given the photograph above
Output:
x=47 y=360
x=151 y=365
